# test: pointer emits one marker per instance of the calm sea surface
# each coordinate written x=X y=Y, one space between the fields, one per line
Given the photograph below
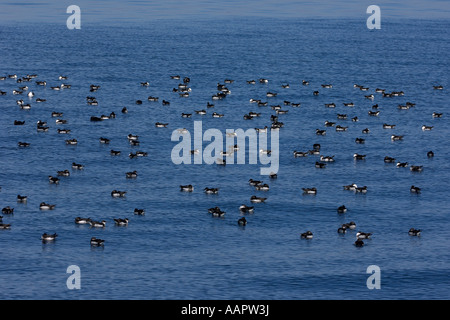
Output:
x=177 y=250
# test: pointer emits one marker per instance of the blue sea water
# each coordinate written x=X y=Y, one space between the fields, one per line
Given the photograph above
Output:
x=178 y=250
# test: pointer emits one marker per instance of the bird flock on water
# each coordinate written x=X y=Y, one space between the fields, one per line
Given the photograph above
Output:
x=25 y=86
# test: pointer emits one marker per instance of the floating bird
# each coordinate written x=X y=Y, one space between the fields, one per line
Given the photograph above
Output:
x=327 y=158
x=22 y=198
x=121 y=222
x=396 y=138
x=359 y=243
x=132 y=175
x=79 y=220
x=306 y=235
x=253 y=182
x=118 y=194
x=309 y=190
x=48 y=237
x=255 y=199
x=340 y=128
x=187 y=188
x=97 y=224
x=414 y=232
x=402 y=164
x=321 y=132
x=246 y=209
x=216 y=212
x=53 y=180
x=77 y=166
x=300 y=154
x=115 y=152
x=97 y=242
x=7 y=210
x=242 y=221
x=46 y=206
x=23 y=144
x=72 y=142
x=351 y=187
x=350 y=225
x=320 y=165
x=363 y=235
x=416 y=168
x=262 y=187
x=357 y=156
x=342 y=230
x=139 y=212
x=211 y=190
x=361 y=189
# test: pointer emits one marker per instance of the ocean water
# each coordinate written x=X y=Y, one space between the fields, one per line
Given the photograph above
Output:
x=177 y=250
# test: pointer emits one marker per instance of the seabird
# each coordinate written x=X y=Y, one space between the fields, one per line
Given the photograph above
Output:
x=48 y=237
x=307 y=235
x=46 y=206
x=118 y=194
x=187 y=188
x=79 y=220
x=309 y=190
x=97 y=224
x=211 y=190
x=246 y=209
x=414 y=232
x=363 y=235
x=139 y=212
x=97 y=242
x=242 y=221
x=255 y=199
x=121 y=222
